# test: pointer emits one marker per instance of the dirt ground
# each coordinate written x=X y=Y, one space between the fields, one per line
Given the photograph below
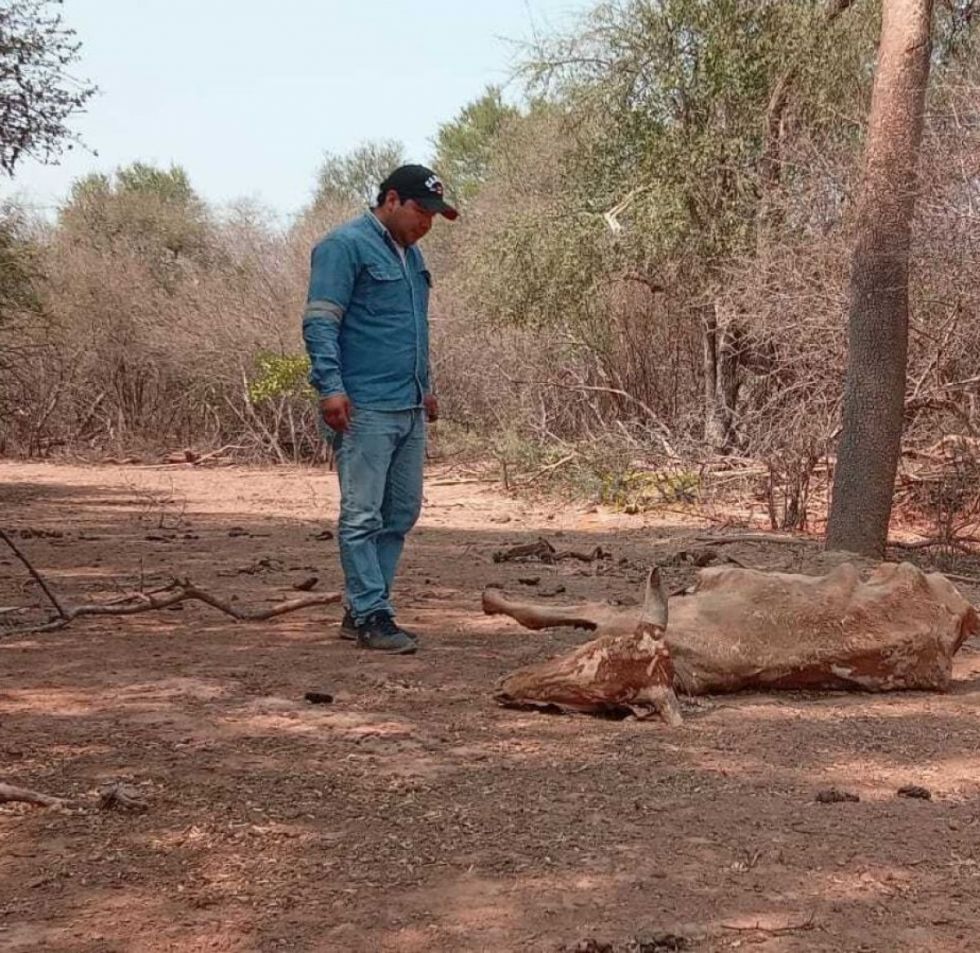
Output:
x=414 y=814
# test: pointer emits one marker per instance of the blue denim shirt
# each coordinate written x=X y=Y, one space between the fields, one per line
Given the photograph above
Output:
x=366 y=322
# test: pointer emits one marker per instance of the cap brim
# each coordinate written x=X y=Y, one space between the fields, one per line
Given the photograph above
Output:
x=439 y=206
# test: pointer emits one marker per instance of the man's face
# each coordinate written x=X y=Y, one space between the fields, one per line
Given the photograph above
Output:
x=408 y=221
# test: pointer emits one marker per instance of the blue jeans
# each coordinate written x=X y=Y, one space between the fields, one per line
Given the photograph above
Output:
x=379 y=462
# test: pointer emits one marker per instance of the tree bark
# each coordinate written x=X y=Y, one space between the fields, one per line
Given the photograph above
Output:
x=874 y=390
x=721 y=363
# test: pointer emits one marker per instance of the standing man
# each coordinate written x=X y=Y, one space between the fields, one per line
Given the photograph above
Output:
x=367 y=333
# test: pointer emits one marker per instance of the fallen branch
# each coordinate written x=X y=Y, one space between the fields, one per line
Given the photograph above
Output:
x=121 y=797
x=537 y=474
x=461 y=481
x=37 y=576
x=728 y=476
x=185 y=458
x=220 y=452
x=544 y=552
x=180 y=590
x=129 y=596
x=772 y=931
x=956 y=577
x=9 y=793
x=961 y=543
x=753 y=538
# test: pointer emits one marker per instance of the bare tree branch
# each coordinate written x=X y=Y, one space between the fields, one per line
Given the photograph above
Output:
x=180 y=590
x=9 y=793
x=37 y=576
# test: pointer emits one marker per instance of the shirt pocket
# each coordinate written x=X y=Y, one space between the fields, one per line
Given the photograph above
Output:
x=385 y=289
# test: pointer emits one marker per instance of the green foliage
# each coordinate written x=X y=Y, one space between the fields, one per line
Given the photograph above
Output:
x=676 y=95
x=538 y=266
x=533 y=259
x=19 y=268
x=636 y=490
x=465 y=145
x=606 y=472
x=669 y=103
x=353 y=178
x=280 y=375
x=154 y=213
x=658 y=146
x=170 y=186
x=38 y=93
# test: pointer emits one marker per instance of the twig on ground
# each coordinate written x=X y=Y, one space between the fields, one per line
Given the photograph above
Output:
x=461 y=481
x=180 y=590
x=960 y=543
x=37 y=576
x=753 y=538
x=543 y=551
x=193 y=460
x=10 y=793
x=547 y=469
x=956 y=577
x=772 y=931
x=121 y=797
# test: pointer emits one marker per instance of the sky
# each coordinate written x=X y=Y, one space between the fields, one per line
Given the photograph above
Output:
x=248 y=95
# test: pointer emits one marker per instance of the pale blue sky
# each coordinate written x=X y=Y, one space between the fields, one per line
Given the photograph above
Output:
x=248 y=95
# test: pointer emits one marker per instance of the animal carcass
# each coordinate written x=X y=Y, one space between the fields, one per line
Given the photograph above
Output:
x=746 y=629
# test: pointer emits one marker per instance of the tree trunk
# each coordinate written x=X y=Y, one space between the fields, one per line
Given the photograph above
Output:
x=721 y=362
x=874 y=390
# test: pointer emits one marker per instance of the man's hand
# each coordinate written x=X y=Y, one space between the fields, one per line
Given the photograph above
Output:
x=431 y=406
x=337 y=412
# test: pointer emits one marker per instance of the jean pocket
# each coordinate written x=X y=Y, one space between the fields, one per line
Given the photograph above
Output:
x=371 y=423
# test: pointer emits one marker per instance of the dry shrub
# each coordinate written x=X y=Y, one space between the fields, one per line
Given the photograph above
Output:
x=552 y=335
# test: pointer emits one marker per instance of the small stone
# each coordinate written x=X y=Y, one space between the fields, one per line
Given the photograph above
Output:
x=658 y=943
x=835 y=796
x=319 y=698
x=915 y=791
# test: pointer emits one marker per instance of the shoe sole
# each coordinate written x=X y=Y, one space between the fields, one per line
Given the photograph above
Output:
x=407 y=650
x=350 y=635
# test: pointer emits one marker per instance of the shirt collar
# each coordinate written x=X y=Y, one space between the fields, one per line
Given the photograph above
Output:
x=376 y=223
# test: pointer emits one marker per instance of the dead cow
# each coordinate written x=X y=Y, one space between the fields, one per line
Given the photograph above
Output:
x=745 y=629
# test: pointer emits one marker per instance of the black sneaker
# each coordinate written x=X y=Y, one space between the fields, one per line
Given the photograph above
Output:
x=348 y=627
x=412 y=635
x=379 y=632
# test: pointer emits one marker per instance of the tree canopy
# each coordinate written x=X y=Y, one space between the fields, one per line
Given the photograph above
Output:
x=38 y=93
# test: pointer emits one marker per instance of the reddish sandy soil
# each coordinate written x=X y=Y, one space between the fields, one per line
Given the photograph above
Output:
x=413 y=814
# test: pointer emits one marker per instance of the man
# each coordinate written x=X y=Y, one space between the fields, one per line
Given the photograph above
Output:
x=366 y=331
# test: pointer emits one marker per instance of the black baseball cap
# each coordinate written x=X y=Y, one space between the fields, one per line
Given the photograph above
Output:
x=421 y=184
